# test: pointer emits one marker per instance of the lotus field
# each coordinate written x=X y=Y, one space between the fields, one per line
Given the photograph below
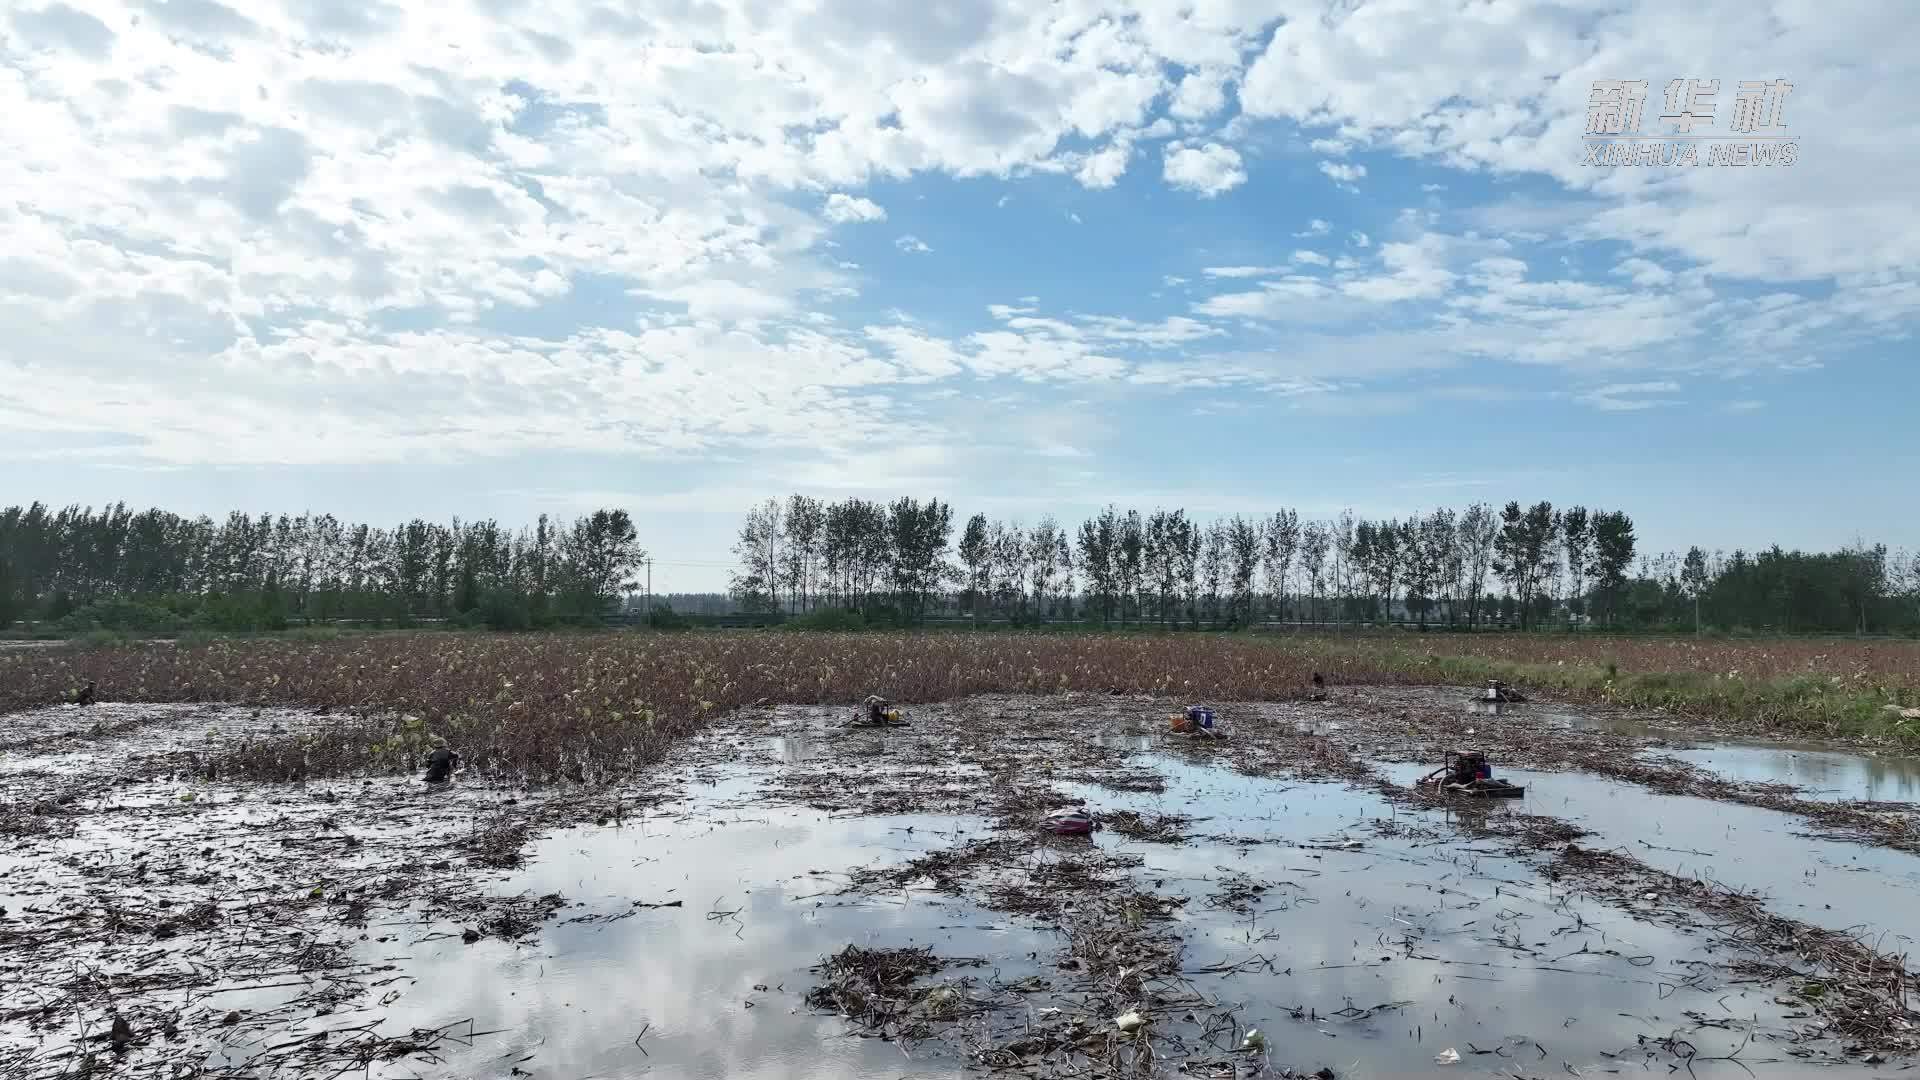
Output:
x=601 y=705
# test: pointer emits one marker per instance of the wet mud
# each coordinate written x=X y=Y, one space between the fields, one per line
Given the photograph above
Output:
x=789 y=897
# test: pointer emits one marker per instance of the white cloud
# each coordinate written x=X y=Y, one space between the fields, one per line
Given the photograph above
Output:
x=721 y=299
x=1414 y=271
x=1102 y=170
x=912 y=245
x=1206 y=170
x=1745 y=405
x=1342 y=172
x=841 y=209
x=1292 y=296
x=1073 y=217
x=1631 y=397
x=1174 y=330
x=1200 y=95
x=226 y=222
x=1644 y=273
x=1504 y=89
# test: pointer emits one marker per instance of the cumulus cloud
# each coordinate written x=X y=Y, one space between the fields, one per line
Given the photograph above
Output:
x=1104 y=168
x=1644 y=272
x=1206 y=170
x=1506 y=90
x=589 y=225
x=1200 y=95
x=841 y=209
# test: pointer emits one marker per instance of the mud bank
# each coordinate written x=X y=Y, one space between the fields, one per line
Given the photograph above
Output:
x=1282 y=881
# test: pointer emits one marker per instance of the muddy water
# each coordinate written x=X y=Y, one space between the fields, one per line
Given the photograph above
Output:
x=1468 y=948
x=1363 y=904
x=1827 y=883
x=713 y=988
x=1819 y=772
x=1476 y=949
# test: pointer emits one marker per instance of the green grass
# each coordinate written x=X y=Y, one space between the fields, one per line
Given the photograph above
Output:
x=1798 y=705
x=100 y=639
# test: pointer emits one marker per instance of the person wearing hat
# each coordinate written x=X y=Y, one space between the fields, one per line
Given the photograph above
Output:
x=440 y=762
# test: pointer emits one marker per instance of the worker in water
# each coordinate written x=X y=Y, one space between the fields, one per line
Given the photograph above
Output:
x=1196 y=720
x=1319 y=691
x=440 y=762
x=1501 y=693
x=877 y=711
x=1466 y=768
x=1471 y=767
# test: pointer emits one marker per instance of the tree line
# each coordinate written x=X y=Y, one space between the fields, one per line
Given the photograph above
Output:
x=153 y=569
x=1520 y=565
x=901 y=562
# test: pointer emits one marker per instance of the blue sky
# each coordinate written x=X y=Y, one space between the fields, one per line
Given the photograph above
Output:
x=502 y=258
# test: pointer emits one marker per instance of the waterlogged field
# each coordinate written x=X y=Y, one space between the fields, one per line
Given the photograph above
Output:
x=670 y=855
x=1826 y=688
x=543 y=705
x=1884 y=662
x=552 y=705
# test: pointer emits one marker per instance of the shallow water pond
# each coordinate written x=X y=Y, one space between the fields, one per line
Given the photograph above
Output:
x=711 y=988
x=1820 y=772
x=679 y=938
x=1374 y=940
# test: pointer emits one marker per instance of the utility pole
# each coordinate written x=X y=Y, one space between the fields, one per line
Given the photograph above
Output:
x=649 y=590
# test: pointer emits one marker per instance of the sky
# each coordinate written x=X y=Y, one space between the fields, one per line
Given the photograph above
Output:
x=503 y=258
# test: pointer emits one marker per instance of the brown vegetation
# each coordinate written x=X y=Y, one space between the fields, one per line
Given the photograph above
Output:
x=593 y=707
